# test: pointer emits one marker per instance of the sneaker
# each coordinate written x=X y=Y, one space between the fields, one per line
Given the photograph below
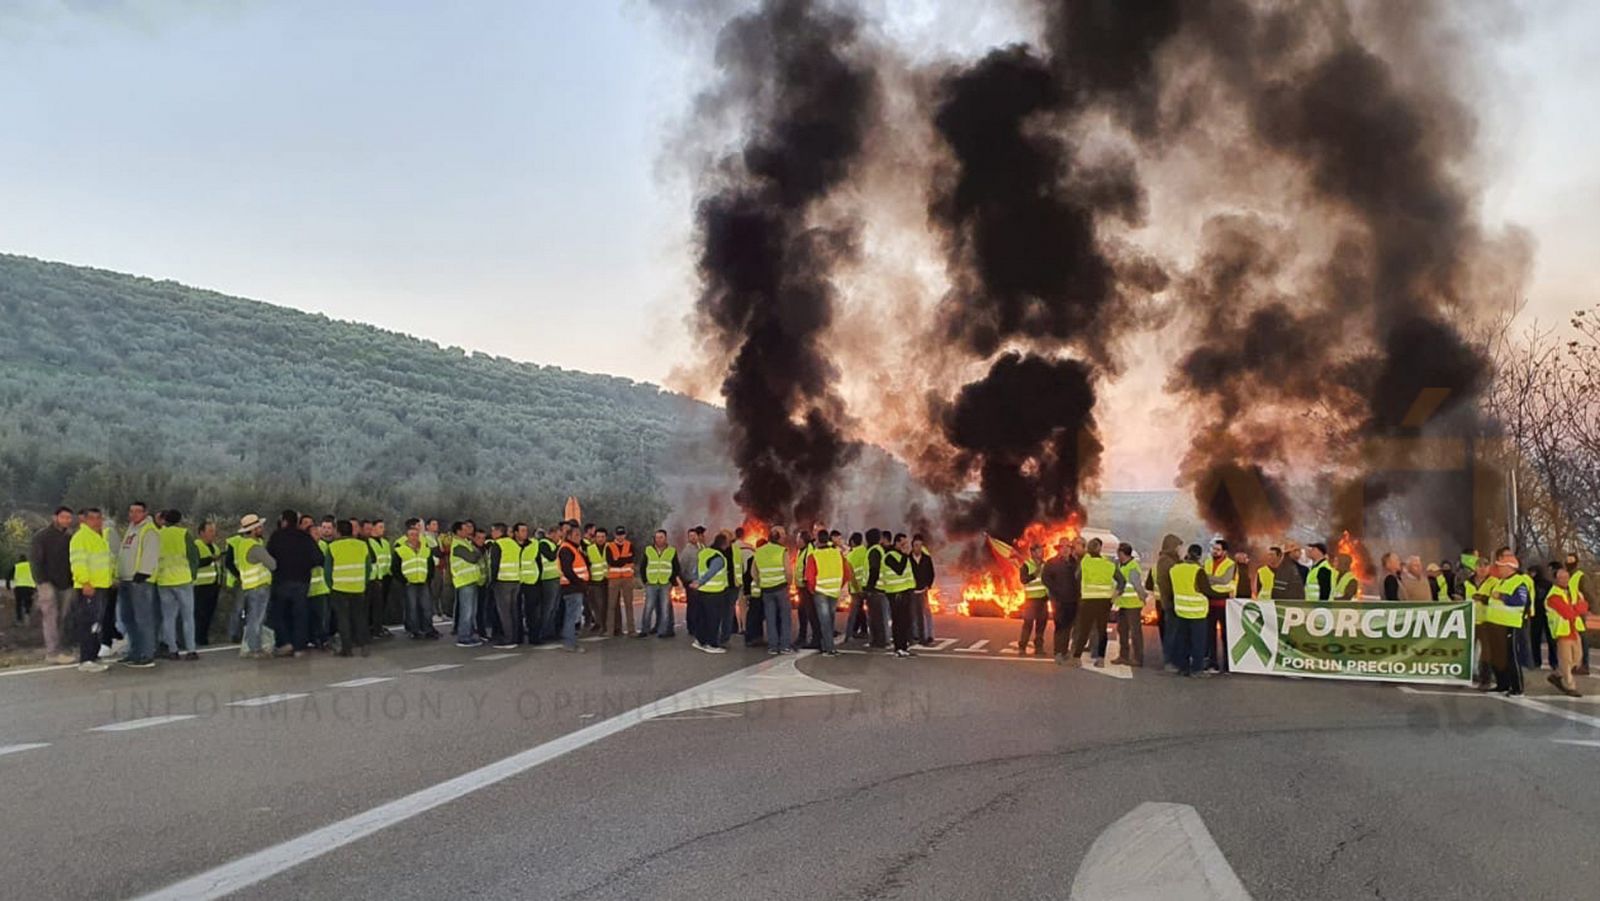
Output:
x=773 y=652
x=1555 y=680
x=469 y=643
x=901 y=655
x=192 y=655
x=830 y=653
x=92 y=666
x=641 y=635
x=1099 y=663
x=505 y=647
x=139 y=664
x=575 y=649
x=715 y=650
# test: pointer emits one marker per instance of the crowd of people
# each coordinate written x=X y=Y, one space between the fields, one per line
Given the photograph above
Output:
x=335 y=585
x=1522 y=617
x=154 y=589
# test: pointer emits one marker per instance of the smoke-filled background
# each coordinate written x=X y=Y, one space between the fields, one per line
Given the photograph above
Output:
x=1274 y=210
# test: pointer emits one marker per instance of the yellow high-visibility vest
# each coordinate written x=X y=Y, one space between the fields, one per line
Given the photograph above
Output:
x=350 y=570
x=658 y=564
x=830 y=570
x=413 y=562
x=1097 y=579
x=1187 y=601
x=1033 y=587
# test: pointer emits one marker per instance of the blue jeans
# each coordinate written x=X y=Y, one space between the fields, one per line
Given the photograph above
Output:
x=825 y=607
x=177 y=609
x=136 y=602
x=657 y=610
x=921 y=617
x=254 y=602
x=552 y=609
x=1169 y=623
x=291 y=615
x=419 y=608
x=466 y=612
x=571 y=615
x=1191 y=644
x=780 y=625
x=856 y=617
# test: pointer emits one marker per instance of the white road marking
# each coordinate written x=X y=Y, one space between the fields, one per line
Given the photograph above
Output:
x=18 y=749
x=1112 y=670
x=264 y=700
x=975 y=648
x=987 y=657
x=435 y=668
x=1573 y=715
x=147 y=722
x=503 y=656
x=943 y=644
x=358 y=683
x=1454 y=693
x=768 y=680
x=1588 y=743
x=1157 y=850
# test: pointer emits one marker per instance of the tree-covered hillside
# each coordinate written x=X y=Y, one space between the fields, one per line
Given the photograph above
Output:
x=115 y=386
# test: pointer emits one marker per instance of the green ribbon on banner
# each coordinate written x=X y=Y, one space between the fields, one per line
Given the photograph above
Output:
x=1253 y=620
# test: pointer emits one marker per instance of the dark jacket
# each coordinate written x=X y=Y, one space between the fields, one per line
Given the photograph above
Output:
x=1060 y=577
x=296 y=553
x=50 y=553
x=922 y=570
x=1288 y=583
x=1165 y=560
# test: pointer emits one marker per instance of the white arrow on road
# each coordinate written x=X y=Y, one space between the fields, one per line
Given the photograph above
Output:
x=1157 y=851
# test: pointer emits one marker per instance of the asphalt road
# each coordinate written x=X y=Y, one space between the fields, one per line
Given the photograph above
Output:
x=647 y=769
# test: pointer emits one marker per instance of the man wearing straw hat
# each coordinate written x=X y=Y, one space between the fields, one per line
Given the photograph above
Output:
x=252 y=566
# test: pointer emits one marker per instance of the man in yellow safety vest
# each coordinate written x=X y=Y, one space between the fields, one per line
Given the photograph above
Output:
x=1035 y=600
x=1566 y=613
x=1097 y=586
x=93 y=574
x=1506 y=614
x=1192 y=594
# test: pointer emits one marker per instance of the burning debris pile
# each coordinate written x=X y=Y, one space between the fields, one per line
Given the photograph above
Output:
x=1283 y=192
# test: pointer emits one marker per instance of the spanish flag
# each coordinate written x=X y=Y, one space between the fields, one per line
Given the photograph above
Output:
x=1001 y=549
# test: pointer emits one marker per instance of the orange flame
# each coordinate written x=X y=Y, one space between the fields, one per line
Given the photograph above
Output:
x=996 y=589
x=755 y=531
x=1359 y=563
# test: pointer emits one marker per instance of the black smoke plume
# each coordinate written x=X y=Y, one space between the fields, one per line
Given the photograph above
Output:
x=1353 y=353
x=795 y=70
x=1028 y=430
x=1018 y=209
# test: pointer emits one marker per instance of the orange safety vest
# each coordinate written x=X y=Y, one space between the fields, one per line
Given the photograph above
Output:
x=622 y=549
x=580 y=566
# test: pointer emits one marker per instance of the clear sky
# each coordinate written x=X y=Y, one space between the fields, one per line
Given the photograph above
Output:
x=488 y=173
